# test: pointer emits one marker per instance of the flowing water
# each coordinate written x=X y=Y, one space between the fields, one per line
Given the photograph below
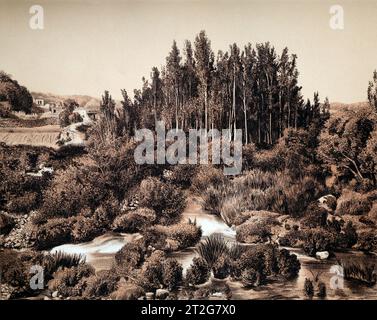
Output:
x=100 y=253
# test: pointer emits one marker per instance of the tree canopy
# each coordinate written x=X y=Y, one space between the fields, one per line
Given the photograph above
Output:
x=18 y=96
x=251 y=88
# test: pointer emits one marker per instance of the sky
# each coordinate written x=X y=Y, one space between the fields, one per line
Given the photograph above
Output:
x=90 y=46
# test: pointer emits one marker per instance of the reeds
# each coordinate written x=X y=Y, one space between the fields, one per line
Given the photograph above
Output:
x=212 y=248
x=359 y=269
x=60 y=259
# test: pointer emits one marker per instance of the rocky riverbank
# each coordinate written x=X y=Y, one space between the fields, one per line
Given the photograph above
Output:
x=20 y=236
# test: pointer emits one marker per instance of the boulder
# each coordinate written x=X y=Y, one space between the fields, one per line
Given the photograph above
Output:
x=328 y=202
x=322 y=255
x=162 y=294
x=127 y=291
x=149 y=296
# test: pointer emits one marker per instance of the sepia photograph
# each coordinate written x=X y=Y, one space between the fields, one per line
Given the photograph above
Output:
x=188 y=150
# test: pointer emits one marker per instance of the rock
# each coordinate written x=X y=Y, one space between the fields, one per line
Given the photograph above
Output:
x=127 y=291
x=162 y=294
x=217 y=296
x=322 y=255
x=149 y=295
x=55 y=294
x=328 y=202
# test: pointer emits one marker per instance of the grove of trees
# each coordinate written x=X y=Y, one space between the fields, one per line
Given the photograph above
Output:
x=252 y=88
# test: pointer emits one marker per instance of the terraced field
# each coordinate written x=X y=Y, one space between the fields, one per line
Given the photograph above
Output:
x=37 y=136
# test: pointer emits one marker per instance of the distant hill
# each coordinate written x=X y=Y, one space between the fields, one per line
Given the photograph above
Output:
x=83 y=100
x=339 y=106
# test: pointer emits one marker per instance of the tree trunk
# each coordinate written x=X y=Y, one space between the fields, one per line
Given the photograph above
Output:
x=206 y=107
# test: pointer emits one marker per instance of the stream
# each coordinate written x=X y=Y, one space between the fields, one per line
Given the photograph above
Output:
x=100 y=254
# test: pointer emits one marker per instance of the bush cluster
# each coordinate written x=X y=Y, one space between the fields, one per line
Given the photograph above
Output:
x=159 y=271
x=134 y=221
x=353 y=203
x=165 y=199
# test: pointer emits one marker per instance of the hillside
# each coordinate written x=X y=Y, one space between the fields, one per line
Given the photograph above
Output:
x=82 y=100
x=339 y=106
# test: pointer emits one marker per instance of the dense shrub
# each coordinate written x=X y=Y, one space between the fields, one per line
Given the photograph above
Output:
x=353 y=203
x=365 y=220
x=254 y=260
x=186 y=234
x=15 y=267
x=150 y=276
x=318 y=240
x=20 y=193
x=262 y=261
x=221 y=268
x=367 y=241
x=130 y=257
x=350 y=235
x=68 y=282
x=198 y=272
x=53 y=233
x=159 y=271
x=248 y=156
x=315 y=216
x=105 y=214
x=13 y=270
x=134 y=221
x=171 y=273
x=359 y=269
x=269 y=160
x=64 y=197
x=251 y=278
x=207 y=176
x=101 y=285
x=7 y=223
x=166 y=200
x=85 y=229
x=24 y=203
x=258 y=190
x=300 y=194
x=155 y=237
x=182 y=175
x=291 y=238
x=213 y=198
x=288 y=264
x=373 y=212
x=254 y=232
